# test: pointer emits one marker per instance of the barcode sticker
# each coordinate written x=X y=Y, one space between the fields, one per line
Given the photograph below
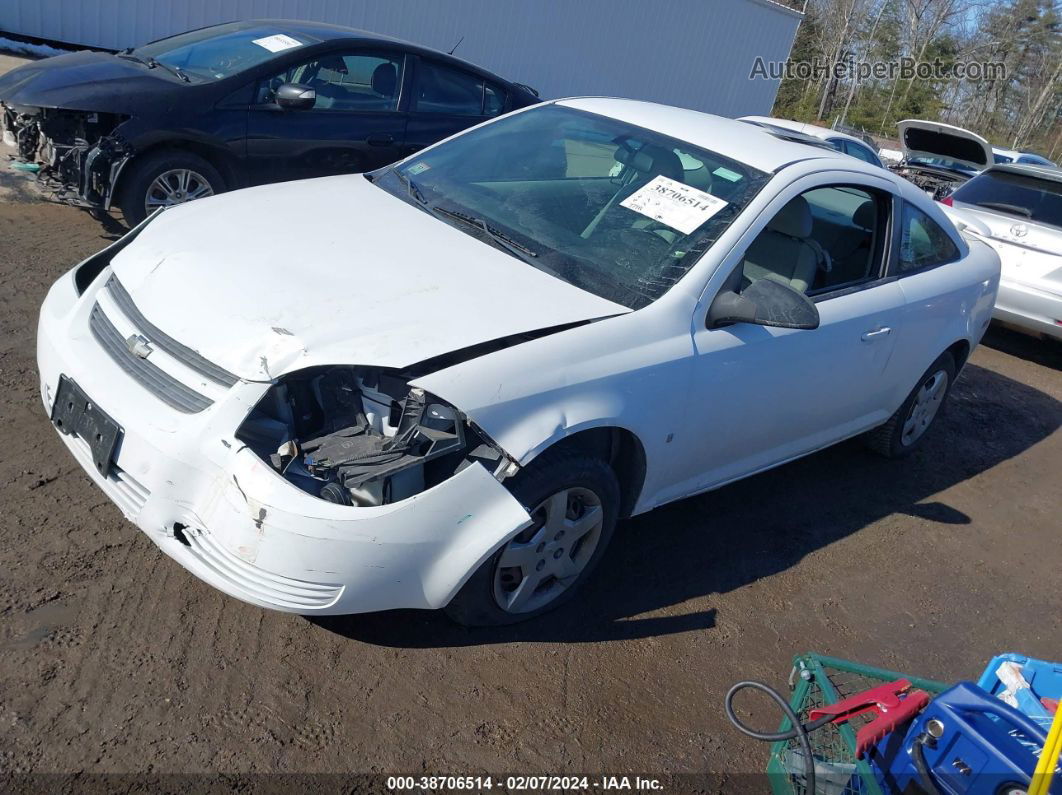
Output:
x=674 y=203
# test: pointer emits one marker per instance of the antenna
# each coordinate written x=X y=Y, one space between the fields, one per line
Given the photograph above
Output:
x=457 y=45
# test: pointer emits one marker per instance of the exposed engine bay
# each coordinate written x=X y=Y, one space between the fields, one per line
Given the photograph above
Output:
x=937 y=183
x=363 y=436
x=78 y=153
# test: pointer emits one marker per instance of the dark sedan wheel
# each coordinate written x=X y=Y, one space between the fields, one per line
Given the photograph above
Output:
x=163 y=179
x=572 y=500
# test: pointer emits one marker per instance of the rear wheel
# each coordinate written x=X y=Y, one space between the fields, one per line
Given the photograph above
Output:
x=166 y=178
x=905 y=429
x=573 y=501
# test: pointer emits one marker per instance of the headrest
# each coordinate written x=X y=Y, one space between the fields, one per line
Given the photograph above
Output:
x=385 y=79
x=865 y=215
x=794 y=219
x=333 y=63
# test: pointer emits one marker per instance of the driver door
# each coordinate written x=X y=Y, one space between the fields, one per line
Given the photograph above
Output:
x=358 y=122
x=761 y=395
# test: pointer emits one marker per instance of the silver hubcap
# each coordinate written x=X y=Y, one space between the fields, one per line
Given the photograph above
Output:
x=927 y=404
x=176 y=186
x=543 y=561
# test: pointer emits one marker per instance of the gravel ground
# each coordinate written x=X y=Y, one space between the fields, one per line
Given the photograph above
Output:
x=115 y=660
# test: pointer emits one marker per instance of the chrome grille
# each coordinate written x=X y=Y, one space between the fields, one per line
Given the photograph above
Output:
x=160 y=383
x=163 y=341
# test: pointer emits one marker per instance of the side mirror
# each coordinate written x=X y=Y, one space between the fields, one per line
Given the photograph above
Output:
x=764 y=303
x=294 y=96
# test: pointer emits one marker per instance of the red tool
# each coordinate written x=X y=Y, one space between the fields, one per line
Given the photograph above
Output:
x=893 y=709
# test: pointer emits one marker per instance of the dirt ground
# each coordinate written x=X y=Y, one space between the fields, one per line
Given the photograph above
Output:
x=115 y=660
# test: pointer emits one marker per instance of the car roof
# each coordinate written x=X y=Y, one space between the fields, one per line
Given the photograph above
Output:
x=1028 y=170
x=739 y=140
x=808 y=129
x=325 y=32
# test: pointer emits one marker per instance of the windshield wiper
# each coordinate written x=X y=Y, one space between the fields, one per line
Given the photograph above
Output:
x=151 y=63
x=498 y=237
x=1007 y=208
x=411 y=188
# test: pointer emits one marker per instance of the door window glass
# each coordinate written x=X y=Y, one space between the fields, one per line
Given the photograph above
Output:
x=493 y=100
x=441 y=89
x=825 y=239
x=864 y=154
x=923 y=243
x=356 y=81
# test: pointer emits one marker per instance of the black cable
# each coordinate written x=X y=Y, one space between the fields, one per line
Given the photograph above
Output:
x=799 y=731
x=928 y=784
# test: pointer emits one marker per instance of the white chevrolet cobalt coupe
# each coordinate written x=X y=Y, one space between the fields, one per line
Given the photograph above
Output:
x=442 y=383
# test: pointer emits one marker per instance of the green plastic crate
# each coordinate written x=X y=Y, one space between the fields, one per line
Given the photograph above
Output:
x=818 y=680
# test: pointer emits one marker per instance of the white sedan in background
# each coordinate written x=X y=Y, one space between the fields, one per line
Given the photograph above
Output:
x=1017 y=209
x=442 y=383
x=842 y=142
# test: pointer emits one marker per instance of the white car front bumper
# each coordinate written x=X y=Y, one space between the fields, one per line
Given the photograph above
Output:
x=213 y=506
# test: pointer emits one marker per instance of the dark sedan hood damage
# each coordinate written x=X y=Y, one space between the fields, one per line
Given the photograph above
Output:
x=87 y=81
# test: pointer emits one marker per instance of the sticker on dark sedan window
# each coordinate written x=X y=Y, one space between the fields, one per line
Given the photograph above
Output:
x=277 y=42
x=417 y=168
x=674 y=203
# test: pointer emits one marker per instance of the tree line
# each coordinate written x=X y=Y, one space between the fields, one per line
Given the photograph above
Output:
x=1017 y=104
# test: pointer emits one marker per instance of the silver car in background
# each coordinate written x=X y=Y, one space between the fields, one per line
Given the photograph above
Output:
x=1017 y=209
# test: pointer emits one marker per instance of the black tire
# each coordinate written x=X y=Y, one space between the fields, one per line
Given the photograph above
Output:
x=143 y=171
x=889 y=439
x=476 y=604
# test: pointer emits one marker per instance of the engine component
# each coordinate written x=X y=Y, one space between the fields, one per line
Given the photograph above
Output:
x=362 y=436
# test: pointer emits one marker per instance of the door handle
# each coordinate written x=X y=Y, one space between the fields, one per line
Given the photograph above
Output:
x=386 y=139
x=870 y=336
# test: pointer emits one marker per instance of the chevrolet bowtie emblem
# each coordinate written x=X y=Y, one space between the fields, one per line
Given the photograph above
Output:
x=139 y=346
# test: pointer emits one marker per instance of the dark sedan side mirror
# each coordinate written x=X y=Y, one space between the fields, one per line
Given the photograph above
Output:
x=764 y=303
x=294 y=96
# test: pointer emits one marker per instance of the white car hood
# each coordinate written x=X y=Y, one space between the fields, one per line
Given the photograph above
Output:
x=332 y=271
x=933 y=139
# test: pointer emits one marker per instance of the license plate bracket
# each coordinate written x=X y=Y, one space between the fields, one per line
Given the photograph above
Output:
x=73 y=412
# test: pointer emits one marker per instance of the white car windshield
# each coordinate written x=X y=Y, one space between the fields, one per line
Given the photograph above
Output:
x=615 y=209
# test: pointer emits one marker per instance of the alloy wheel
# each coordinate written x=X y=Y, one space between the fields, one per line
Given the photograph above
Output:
x=547 y=558
x=176 y=186
x=927 y=403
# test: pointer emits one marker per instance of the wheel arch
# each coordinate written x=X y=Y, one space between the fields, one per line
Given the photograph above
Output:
x=225 y=162
x=960 y=352
x=620 y=448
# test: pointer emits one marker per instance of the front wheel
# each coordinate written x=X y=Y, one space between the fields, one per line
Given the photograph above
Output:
x=907 y=427
x=163 y=179
x=573 y=500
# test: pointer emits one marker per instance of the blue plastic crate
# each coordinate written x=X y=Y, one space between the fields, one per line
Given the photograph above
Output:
x=1044 y=678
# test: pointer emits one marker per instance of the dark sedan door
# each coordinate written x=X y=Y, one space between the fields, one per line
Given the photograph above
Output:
x=358 y=122
x=447 y=100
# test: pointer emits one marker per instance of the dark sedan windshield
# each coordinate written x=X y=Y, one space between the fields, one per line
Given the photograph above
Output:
x=222 y=50
x=617 y=210
x=1020 y=195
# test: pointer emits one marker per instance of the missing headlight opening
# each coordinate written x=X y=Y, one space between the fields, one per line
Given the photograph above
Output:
x=78 y=153
x=362 y=436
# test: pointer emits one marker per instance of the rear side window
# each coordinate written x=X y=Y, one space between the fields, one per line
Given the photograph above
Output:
x=443 y=89
x=923 y=242
x=864 y=154
x=1023 y=196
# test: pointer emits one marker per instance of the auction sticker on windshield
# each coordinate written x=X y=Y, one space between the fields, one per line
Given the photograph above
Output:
x=278 y=42
x=674 y=203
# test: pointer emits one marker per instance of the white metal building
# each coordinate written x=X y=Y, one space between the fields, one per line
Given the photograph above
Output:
x=693 y=53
